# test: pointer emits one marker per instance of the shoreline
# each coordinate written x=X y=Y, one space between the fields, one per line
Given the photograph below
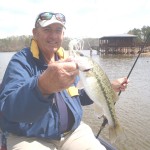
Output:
x=146 y=54
x=143 y=54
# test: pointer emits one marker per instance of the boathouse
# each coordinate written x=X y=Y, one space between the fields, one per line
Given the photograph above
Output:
x=120 y=44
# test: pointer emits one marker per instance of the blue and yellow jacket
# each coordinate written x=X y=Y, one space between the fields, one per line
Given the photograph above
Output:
x=24 y=110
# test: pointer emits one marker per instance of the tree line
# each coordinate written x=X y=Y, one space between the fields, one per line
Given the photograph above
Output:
x=16 y=43
x=142 y=34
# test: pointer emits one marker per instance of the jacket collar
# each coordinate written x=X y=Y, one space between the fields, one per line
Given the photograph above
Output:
x=35 y=50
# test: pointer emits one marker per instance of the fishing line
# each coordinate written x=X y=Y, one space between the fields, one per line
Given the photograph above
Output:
x=105 y=121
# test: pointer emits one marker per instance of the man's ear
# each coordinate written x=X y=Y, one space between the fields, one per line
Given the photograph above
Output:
x=34 y=32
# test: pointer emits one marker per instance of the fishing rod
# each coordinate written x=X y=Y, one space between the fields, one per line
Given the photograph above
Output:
x=105 y=121
x=142 y=48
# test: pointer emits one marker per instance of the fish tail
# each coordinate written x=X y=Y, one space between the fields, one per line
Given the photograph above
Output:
x=115 y=132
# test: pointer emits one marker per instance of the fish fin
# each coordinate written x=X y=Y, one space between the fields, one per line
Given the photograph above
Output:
x=115 y=132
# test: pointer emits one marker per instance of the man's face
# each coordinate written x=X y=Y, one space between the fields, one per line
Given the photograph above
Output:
x=49 y=38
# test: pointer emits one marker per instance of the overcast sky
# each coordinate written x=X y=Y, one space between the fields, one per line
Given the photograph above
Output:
x=85 y=18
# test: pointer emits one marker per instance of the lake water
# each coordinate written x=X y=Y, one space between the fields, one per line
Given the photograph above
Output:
x=133 y=107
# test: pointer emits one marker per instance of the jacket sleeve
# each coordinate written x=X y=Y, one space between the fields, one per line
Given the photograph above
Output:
x=20 y=97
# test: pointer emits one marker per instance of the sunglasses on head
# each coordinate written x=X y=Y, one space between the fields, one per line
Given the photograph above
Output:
x=48 y=15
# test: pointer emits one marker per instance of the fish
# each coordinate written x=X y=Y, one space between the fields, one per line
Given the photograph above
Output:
x=98 y=87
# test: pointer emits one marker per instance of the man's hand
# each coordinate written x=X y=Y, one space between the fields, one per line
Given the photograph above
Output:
x=58 y=76
x=120 y=84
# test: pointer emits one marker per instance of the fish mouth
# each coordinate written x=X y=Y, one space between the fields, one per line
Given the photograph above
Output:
x=83 y=64
x=86 y=70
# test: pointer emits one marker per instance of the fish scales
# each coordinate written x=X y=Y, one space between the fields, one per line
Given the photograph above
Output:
x=107 y=91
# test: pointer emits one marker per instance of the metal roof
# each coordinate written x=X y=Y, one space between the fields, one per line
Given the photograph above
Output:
x=119 y=36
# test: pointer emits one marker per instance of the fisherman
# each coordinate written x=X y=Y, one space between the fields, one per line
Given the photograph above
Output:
x=41 y=107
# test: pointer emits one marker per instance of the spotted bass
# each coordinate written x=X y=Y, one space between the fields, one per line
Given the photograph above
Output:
x=98 y=87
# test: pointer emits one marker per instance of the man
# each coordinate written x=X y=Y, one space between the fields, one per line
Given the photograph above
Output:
x=40 y=104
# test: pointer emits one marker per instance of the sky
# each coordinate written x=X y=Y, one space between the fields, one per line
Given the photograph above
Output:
x=84 y=18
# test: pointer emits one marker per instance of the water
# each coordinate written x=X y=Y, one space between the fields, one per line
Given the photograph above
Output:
x=133 y=107
x=4 y=59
